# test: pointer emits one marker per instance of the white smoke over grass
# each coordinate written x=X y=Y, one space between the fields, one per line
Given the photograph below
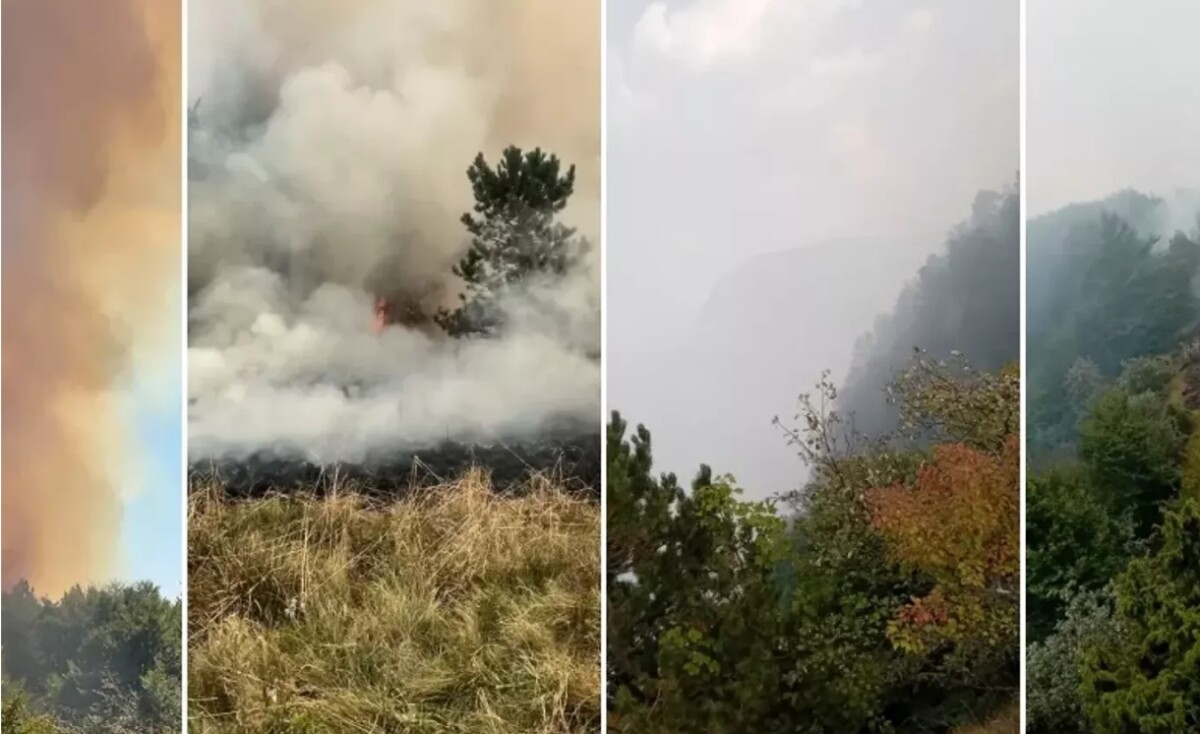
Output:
x=329 y=149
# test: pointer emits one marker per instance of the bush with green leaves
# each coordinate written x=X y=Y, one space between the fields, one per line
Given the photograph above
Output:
x=1073 y=544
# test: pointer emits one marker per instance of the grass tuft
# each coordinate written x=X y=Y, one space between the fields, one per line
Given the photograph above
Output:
x=450 y=610
x=1006 y=721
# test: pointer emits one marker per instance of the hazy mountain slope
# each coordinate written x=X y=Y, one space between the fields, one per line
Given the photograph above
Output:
x=764 y=335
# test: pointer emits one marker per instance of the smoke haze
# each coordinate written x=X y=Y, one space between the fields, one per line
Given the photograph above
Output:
x=1107 y=110
x=91 y=241
x=328 y=151
x=776 y=173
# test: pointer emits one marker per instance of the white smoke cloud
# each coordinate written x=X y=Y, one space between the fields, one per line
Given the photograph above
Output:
x=329 y=154
x=1179 y=212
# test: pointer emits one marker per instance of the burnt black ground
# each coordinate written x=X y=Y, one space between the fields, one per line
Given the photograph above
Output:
x=571 y=458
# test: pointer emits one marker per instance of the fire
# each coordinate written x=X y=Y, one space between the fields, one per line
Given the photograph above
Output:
x=382 y=315
x=411 y=310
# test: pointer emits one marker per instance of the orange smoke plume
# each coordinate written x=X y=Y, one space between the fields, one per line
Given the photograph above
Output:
x=91 y=122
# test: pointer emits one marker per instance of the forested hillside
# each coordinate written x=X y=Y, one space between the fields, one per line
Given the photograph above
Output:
x=98 y=660
x=965 y=299
x=882 y=596
x=737 y=341
x=1113 y=495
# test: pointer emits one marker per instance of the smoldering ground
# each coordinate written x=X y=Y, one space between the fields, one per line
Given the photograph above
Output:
x=91 y=255
x=329 y=143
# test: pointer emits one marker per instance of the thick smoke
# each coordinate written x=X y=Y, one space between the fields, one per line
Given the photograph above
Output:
x=91 y=252
x=329 y=145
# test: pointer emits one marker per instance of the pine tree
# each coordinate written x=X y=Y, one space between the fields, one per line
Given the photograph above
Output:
x=514 y=234
x=1149 y=682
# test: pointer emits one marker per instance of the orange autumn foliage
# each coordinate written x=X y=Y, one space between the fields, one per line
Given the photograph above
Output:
x=959 y=524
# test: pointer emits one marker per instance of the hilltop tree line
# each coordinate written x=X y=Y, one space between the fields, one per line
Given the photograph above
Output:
x=1108 y=290
x=97 y=661
x=1113 y=496
x=965 y=299
x=882 y=597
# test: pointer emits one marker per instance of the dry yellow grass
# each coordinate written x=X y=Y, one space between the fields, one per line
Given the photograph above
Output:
x=452 y=610
x=1007 y=721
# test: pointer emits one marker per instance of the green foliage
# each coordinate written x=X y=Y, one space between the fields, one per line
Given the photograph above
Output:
x=1150 y=682
x=1073 y=544
x=1190 y=479
x=98 y=660
x=1053 y=666
x=723 y=618
x=1111 y=560
x=948 y=401
x=1152 y=374
x=1102 y=291
x=692 y=604
x=17 y=719
x=1132 y=446
x=514 y=235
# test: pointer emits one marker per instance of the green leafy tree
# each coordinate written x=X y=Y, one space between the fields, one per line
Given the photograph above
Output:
x=693 y=609
x=1054 y=704
x=514 y=235
x=1073 y=544
x=18 y=719
x=942 y=400
x=1132 y=446
x=102 y=660
x=1150 y=682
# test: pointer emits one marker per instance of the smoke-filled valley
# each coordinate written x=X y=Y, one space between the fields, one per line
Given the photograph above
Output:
x=328 y=157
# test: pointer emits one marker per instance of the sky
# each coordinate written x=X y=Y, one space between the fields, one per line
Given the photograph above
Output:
x=151 y=537
x=743 y=127
x=1112 y=99
x=92 y=289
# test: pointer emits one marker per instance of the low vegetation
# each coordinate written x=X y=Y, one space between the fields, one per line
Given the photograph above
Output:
x=452 y=609
x=98 y=660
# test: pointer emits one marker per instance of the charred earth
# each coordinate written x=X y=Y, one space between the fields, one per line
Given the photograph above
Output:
x=571 y=455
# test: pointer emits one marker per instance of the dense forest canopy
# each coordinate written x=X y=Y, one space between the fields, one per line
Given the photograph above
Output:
x=100 y=660
x=1113 y=494
x=1105 y=285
